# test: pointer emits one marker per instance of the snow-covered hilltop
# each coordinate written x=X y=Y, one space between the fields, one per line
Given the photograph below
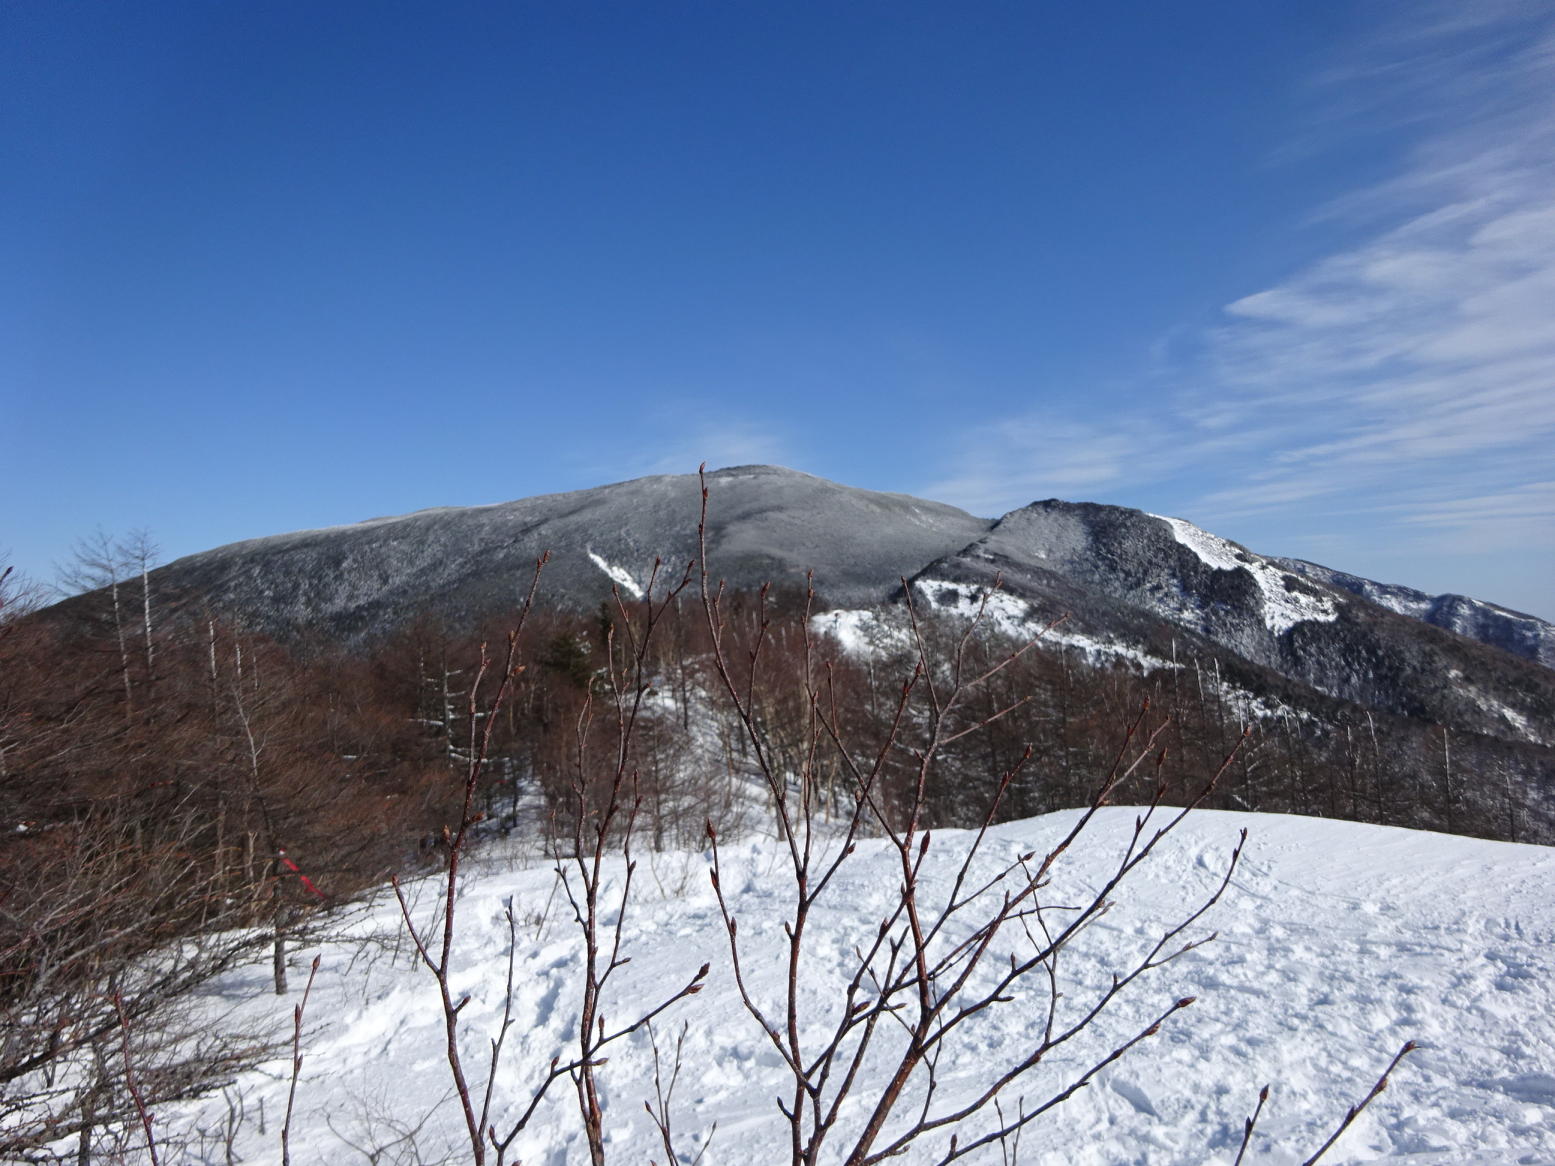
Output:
x=1125 y=577
x=1119 y=576
x=1336 y=942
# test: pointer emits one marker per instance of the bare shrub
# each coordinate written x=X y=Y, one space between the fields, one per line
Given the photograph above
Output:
x=935 y=962
x=603 y=809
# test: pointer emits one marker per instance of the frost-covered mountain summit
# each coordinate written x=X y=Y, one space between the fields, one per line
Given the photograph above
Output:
x=1158 y=586
x=765 y=524
x=1142 y=580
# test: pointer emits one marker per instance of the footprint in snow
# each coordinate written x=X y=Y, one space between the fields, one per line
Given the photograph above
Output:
x=1535 y=1087
x=1134 y=1095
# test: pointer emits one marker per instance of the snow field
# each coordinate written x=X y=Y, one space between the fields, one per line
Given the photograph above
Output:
x=1336 y=942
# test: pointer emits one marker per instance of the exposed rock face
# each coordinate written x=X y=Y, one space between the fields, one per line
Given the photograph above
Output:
x=1160 y=565
x=1130 y=577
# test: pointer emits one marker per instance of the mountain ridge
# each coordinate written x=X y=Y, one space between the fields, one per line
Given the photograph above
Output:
x=1114 y=571
x=1478 y=619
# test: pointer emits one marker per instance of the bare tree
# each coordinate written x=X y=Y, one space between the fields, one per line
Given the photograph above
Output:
x=97 y=968
x=437 y=949
x=606 y=801
x=935 y=963
x=660 y=1109
x=139 y=552
x=16 y=600
x=601 y=816
x=99 y=562
x=437 y=953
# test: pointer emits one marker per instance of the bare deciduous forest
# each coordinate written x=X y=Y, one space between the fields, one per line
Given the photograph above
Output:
x=180 y=795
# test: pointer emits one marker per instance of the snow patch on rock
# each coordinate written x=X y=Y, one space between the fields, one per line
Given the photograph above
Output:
x=1020 y=620
x=1000 y=610
x=862 y=633
x=866 y=633
x=1284 y=606
x=1518 y=723
x=621 y=577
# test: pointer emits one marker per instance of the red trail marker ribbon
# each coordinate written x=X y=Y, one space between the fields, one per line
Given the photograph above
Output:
x=297 y=870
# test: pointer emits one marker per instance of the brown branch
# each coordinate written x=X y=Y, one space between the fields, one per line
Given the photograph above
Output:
x=291 y=1092
x=1247 y=1130
x=1356 y=1110
x=131 y=1084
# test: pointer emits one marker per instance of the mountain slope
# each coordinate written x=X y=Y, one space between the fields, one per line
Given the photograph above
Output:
x=354 y=583
x=1500 y=627
x=1065 y=557
x=1119 y=574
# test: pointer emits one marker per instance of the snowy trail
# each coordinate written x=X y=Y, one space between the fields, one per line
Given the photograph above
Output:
x=1337 y=942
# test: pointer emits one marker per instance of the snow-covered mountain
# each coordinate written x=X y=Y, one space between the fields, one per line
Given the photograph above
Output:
x=359 y=582
x=1124 y=575
x=1489 y=623
x=1153 y=585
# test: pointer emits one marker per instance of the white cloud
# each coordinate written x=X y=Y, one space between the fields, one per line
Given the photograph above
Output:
x=720 y=444
x=1534 y=500
x=1420 y=355
x=1009 y=463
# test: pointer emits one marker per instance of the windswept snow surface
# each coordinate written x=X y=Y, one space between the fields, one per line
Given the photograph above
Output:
x=1283 y=606
x=1337 y=942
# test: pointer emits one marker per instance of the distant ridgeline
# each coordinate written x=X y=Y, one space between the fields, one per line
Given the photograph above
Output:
x=1365 y=700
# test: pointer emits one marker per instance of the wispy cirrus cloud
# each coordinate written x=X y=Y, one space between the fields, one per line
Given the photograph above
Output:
x=1003 y=464
x=1433 y=341
x=1490 y=522
x=719 y=444
x=1534 y=500
x=1427 y=348
x=1409 y=373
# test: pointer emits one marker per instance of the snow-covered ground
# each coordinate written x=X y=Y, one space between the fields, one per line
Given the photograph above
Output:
x=1337 y=942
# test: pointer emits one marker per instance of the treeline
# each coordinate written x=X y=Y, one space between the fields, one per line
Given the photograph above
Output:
x=1295 y=751
x=176 y=797
x=235 y=748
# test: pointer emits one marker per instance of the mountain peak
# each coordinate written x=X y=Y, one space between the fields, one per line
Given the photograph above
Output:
x=1115 y=572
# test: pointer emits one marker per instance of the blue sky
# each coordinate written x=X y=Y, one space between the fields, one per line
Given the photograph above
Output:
x=1286 y=270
